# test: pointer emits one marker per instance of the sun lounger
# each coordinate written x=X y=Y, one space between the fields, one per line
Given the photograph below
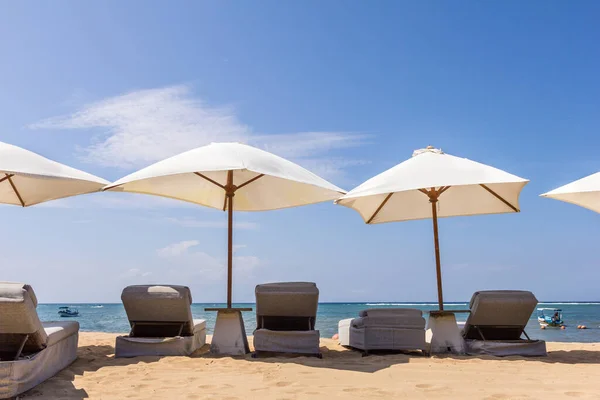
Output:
x=497 y=322
x=161 y=322
x=30 y=351
x=285 y=318
x=395 y=329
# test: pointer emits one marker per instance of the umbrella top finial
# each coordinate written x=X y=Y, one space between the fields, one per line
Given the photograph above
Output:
x=428 y=149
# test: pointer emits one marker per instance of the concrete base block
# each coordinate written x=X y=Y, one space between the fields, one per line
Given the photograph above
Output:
x=229 y=337
x=443 y=334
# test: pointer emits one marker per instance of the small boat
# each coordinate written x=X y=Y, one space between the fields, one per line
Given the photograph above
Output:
x=68 y=312
x=550 y=317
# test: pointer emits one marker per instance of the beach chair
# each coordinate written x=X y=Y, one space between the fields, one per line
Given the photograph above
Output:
x=30 y=351
x=161 y=322
x=386 y=329
x=285 y=318
x=497 y=322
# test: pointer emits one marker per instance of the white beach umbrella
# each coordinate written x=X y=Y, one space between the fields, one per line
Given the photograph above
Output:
x=214 y=175
x=584 y=192
x=26 y=178
x=433 y=184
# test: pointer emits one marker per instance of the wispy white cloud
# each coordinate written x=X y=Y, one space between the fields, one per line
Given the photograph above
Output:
x=177 y=249
x=246 y=265
x=148 y=125
x=110 y=200
x=190 y=222
x=135 y=273
x=141 y=127
x=306 y=144
x=192 y=263
x=136 y=201
x=237 y=247
x=478 y=267
x=333 y=168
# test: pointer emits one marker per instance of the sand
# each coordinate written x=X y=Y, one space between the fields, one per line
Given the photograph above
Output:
x=570 y=370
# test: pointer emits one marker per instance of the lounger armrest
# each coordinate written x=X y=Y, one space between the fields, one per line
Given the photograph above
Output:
x=391 y=312
x=391 y=321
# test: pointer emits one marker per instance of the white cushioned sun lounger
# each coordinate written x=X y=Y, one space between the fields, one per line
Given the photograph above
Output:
x=497 y=321
x=285 y=318
x=395 y=329
x=161 y=322
x=30 y=351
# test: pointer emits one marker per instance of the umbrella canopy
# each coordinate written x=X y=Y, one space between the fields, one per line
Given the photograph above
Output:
x=26 y=178
x=584 y=192
x=214 y=175
x=433 y=184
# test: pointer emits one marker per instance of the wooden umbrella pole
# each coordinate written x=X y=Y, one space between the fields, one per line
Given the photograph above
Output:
x=433 y=201
x=229 y=189
x=229 y=193
x=230 y=249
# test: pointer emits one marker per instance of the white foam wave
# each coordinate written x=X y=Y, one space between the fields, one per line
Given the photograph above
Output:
x=97 y=306
x=573 y=304
x=412 y=304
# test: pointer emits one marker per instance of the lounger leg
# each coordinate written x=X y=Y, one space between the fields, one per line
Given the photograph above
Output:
x=21 y=346
x=526 y=335
x=132 y=329
x=180 y=329
x=365 y=353
x=480 y=333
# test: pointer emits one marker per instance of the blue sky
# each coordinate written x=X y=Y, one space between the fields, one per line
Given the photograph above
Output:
x=344 y=88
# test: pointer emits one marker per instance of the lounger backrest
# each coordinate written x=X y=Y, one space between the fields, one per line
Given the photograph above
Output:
x=408 y=318
x=391 y=312
x=158 y=310
x=499 y=314
x=18 y=318
x=286 y=306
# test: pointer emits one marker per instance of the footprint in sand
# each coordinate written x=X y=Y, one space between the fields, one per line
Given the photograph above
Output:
x=206 y=386
x=370 y=391
x=574 y=394
x=430 y=388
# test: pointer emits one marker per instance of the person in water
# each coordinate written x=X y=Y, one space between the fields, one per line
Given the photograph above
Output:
x=556 y=317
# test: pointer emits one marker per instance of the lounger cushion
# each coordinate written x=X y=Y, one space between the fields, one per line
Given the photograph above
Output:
x=384 y=329
x=19 y=318
x=21 y=375
x=59 y=330
x=127 y=346
x=400 y=321
x=285 y=317
x=499 y=314
x=391 y=312
x=289 y=299
x=387 y=338
x=159 y=303
x=301 y=342
x=504 y=348
x=501 y=307
x=51 y=347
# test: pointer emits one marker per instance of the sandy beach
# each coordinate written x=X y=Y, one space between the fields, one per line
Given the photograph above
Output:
x=570 y=370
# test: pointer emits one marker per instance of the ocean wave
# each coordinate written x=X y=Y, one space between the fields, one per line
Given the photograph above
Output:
x=97 y=306
x=572 y=304
x=412 y=304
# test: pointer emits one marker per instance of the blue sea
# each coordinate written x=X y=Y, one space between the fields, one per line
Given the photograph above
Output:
x=112 y=318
